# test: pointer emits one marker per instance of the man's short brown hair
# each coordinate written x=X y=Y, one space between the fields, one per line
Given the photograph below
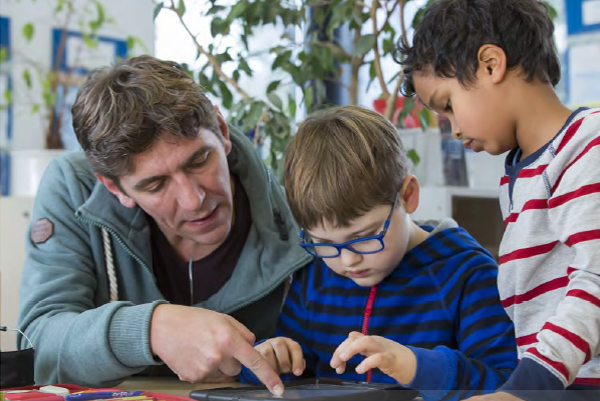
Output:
x=343 y=162
x=122 y=110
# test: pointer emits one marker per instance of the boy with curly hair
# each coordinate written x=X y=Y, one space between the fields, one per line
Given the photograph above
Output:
x=490 y=66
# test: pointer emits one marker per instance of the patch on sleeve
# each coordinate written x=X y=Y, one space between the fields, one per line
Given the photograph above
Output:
x=42 y=230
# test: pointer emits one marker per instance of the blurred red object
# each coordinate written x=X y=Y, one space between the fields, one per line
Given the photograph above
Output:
x=410 y=121
x=34 y=395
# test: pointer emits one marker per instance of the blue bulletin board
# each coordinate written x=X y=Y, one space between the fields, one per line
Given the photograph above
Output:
x=75 y=60
x=6 y=108
x=581 y=65
x=117 y=49
x=5 y=80
x=583 y=16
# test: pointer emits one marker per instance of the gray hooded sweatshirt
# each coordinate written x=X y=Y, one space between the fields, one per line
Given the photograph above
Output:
x=80 y=335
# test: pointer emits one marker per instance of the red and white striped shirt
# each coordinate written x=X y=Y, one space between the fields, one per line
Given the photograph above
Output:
x=549 y=275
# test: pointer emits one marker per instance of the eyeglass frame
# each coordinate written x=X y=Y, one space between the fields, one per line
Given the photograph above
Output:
x=347 y=244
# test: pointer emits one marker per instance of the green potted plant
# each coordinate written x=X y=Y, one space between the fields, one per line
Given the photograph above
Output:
x=304 y=63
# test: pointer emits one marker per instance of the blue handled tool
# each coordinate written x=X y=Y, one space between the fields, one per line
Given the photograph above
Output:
x=101 y=395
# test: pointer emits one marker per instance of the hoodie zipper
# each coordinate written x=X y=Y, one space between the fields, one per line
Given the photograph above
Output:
x=366 y=317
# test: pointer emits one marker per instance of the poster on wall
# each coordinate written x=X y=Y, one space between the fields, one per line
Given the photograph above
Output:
x=75 y=59
x=583 y=16
x=583 y=74
x=582 y=64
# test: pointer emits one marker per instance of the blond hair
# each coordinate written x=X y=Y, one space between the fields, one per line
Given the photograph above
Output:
x=343 y=162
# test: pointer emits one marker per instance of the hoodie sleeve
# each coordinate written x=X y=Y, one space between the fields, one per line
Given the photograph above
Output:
x=78 y=336
x=485 y=353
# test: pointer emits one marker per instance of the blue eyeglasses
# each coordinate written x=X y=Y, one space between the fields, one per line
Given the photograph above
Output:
x=363 y=246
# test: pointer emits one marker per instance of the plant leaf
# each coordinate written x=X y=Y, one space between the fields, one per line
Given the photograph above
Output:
x=308 y=99
x=89 y=40
x=551 y=10
x=130 y=43
x=255 y=112
x=226 y=96
x=407 y=107
x=275 y=100
x=372 y=74
x=215 y=9
x=28 y=31
x=238 y=9
x=181 y=8
x=413 y=156
x=423 y=116
x=218 y=26
x=292 y=107
x=157 y=9
x=27 y=78
x=100 y=11
x=59 y=6
x=243 y=65
x=273 y=85
x=364 y=44
x=7 y=95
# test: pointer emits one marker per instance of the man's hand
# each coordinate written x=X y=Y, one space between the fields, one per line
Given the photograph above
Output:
x=391 y=358
x=199 y=343
x=499 y=396
x=284 y=355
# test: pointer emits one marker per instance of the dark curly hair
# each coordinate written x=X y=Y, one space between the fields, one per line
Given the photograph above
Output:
x=451 y=32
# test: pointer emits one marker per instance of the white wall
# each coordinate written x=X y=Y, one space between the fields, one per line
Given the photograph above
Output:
x=14 y=214
x=131 y=18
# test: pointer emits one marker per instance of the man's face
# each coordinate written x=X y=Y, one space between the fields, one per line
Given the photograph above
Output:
x=367 y=269
x=184 y=185
x=479 y=113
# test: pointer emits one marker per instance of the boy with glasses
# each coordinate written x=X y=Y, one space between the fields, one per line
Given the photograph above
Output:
x=386 y=300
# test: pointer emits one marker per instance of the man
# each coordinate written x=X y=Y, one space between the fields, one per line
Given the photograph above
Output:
x=167 y=242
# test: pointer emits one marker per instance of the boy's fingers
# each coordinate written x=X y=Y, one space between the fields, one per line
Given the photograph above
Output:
x=372 y=362
x=345 y=351
x=268 y=352
x=352 y=347
x=301 y=371
x=364 y=345
x=254 y=361
x=336 y=360
x=298 y=362
x=282 y=355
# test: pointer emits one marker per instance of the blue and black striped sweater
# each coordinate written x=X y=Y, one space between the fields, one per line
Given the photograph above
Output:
x=441 y=301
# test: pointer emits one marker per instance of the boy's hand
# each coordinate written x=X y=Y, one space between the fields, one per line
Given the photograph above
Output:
x=391 y=358
x=499 y=396
x=283 y=354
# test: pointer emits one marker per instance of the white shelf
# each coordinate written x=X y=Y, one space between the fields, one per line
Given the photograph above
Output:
x=436 y=202
x=475 y=209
